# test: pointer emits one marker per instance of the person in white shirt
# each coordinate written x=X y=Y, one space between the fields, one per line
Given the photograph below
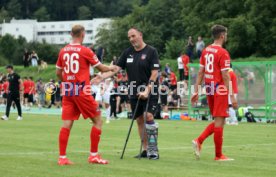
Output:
x=180 y=68
x=199 y=46
x=103 y=96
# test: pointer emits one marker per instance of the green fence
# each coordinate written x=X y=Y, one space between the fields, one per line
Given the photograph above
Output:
x=256 y=84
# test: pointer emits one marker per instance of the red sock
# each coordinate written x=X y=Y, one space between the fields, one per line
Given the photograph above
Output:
x=207 y=132
x=218 y=139
x=95 y=138
x=63 y=140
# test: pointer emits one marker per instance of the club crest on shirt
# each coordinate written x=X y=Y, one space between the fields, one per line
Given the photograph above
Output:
x=143 y=56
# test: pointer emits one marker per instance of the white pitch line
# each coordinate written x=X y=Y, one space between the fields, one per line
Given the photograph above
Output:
x=119 y=150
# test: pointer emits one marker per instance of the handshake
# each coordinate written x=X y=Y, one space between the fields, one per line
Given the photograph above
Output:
x=105 y=72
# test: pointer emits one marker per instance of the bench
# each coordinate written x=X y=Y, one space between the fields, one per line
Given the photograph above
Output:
x=197 y=111
x=171 y=108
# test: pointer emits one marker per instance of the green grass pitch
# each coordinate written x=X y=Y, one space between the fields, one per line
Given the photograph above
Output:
x=29 y=148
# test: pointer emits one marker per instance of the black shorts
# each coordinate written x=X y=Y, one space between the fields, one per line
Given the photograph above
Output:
x=124 y=99
x=164 y=100
x=31 y=98
x=173 y=87
x=5 y=95
x=26 y=95
x=58 y=97
x=186 y=77
x=142 y=106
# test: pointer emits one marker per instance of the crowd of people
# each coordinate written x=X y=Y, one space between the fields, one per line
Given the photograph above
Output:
x=32 y=93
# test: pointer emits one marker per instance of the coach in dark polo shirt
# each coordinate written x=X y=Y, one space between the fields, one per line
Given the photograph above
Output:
x=15 y=85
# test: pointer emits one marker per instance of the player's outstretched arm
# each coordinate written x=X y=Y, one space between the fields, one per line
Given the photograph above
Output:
x=107 y=71
x=104 y=68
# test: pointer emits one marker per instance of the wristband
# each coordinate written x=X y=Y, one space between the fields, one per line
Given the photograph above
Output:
x=151 y=81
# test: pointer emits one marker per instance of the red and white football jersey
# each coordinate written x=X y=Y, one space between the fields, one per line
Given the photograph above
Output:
x=214 y=59
x=75 y=61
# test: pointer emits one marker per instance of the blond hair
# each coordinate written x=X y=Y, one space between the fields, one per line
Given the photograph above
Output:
x=77 y=30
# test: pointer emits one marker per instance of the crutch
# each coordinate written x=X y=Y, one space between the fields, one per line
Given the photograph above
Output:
x=131 y=124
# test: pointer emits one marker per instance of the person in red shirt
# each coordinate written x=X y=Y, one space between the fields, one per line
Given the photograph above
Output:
x=31 y=92
x=72 y=66
x=26 y=85
x=214 y=66
x=186 y=60
x=1 y=93
x=5 y=89
x=173 y=81
x=232 y=120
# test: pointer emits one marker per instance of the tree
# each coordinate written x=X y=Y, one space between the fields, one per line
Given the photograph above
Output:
x=4 y=15
x=14 y=8
x=41 y=14
x=262 y=17
x=173 y=48
x=7 y=46
x=46 y=52
x=84 y=13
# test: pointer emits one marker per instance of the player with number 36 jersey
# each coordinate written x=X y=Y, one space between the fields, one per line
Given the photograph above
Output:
x=73 y=65
x=75 y=60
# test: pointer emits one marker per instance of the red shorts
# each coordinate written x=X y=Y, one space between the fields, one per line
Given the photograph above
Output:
x=73 y=106
x=218 y=105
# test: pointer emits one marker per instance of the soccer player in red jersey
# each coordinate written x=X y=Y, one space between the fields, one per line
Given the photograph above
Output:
x=27 y=87
x=5 y=89
x=73 y=70
x=173 y=80
x=1 y=93
x=185 y=60
x=214 y=66
x=232 y=120
x=31 y=92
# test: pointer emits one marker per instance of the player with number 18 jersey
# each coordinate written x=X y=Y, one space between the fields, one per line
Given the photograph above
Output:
x=215 y=59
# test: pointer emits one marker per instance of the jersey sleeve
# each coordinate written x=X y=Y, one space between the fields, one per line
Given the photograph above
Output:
x=154 y=64
x=59 y=61
x=122 y=60
x=92 y=57
x=224 y=61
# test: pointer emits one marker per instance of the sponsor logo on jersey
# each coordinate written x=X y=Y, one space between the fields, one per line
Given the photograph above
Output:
x=227 y=63
x=209 y=76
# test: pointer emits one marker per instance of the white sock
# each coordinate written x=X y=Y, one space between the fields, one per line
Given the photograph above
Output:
x=107 y=111
x=232 y=115
x=62 y=156
x=93 y=153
